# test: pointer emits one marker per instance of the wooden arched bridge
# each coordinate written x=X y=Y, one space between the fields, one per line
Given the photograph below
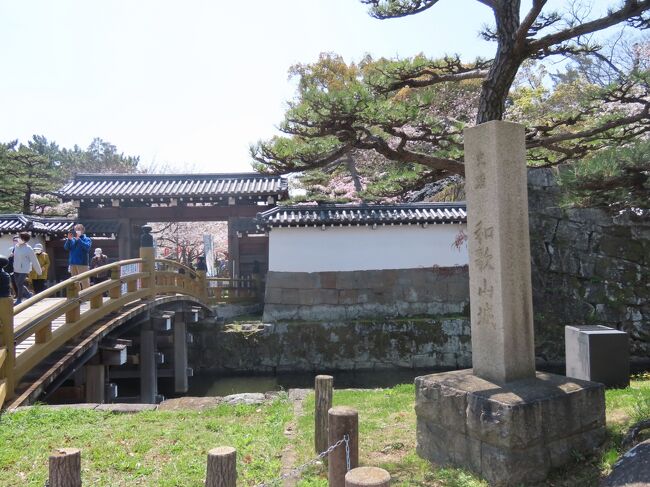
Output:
x=46 y=338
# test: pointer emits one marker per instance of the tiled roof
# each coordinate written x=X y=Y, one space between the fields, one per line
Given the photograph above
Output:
x=14 y=223
x=363 y=214
x=150 y=186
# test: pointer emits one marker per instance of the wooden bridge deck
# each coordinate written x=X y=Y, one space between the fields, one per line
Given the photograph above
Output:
x=38 y=309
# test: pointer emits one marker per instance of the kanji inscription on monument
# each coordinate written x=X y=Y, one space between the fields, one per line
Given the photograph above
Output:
x=499 y=250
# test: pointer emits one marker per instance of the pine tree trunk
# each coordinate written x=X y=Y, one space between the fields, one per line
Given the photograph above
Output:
x=506 y=63
x=352 y=168
x=27 y=200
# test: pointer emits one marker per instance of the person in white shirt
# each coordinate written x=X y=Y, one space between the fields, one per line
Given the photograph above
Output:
x=24 y=261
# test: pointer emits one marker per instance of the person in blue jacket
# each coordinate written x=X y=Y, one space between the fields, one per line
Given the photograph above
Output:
x=78 y=245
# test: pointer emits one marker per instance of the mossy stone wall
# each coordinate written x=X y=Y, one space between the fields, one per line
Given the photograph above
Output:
x=588 y=267
x=415 y=342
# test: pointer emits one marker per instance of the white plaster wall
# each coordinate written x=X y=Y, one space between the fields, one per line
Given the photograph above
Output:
x=308 y=249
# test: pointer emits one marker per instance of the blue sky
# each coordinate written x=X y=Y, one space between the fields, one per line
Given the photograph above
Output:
x=191 y=84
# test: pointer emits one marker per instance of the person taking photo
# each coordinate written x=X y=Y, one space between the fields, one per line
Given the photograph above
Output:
x=78 y=246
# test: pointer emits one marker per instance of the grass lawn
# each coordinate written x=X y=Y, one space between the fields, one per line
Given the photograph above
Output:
x=150 y=448
x=387 y=438
x=170 y=448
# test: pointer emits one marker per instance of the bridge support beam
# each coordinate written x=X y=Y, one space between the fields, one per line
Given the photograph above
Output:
x=96 y=383
x=148 y=370
x=181 y=383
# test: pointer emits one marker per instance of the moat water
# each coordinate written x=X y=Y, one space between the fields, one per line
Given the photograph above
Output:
x=219 y=385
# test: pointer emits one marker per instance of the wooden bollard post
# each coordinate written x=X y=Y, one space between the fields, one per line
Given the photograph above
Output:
x=323 y=402
x=222 y=467
x=367 y=477
x=65 y=468
x=342 y=421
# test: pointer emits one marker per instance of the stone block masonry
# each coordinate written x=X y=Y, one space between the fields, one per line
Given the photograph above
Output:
x=352 y=295
x=588 y=268
x=442 y=342
x=509 y=434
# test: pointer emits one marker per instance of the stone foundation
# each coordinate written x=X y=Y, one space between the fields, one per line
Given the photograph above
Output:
x=510 y=434
x=351 y=295
x=432 y=342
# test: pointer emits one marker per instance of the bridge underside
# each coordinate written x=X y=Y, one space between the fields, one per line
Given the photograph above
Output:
x=99 y=349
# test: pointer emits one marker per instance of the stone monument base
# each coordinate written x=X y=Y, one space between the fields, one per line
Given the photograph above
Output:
x=509 y=434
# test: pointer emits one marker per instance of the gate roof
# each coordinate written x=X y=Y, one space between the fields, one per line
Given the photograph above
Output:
x=353 y=214
x=154 y=187
x=54 y=226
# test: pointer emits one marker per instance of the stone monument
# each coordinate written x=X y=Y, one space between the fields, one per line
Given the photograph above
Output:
x=501 y=419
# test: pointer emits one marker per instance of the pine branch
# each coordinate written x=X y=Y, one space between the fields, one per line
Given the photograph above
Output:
x=630 y=10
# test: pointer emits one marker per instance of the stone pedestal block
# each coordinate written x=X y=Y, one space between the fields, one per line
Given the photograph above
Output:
x=509 y=434
x=597 y=353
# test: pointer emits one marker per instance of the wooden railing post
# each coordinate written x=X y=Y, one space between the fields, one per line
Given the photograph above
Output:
x=72 y=293
x=7 y=354
x=148 y=257
x=115 y=291
x=44 y=334
x=97 y=300
x=132 y=286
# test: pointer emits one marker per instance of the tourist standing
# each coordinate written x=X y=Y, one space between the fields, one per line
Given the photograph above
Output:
x=99 y=260
x=78 y=245
x=24 y=261
x=38 y=279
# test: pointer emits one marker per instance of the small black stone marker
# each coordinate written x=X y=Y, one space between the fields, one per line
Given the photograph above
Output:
x=5 y=279
x=146 y=239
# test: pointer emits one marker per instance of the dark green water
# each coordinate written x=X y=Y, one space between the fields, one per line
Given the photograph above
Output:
x=221 y=385
x=216 y=385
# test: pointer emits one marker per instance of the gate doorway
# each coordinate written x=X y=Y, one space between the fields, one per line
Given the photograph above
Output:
x=134 y=200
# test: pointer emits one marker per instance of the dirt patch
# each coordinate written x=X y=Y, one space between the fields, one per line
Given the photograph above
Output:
x=617 y=416
x=289 y=456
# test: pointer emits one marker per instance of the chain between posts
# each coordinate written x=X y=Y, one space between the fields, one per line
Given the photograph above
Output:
x=320 y=456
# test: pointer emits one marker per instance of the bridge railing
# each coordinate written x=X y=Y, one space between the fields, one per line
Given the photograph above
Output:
x=233 y=290
x=173 y=277
x=153 y=277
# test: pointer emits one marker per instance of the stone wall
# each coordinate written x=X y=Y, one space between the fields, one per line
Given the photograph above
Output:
x=588 y=267
x=350 y=295
x=442 y=342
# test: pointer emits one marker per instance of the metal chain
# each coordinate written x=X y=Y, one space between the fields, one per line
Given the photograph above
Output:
x=347 y=453
x=300 y=468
